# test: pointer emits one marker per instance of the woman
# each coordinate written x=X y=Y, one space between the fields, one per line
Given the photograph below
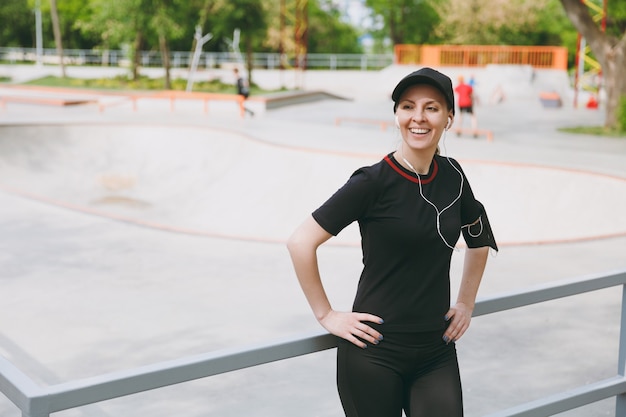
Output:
x=397 y=346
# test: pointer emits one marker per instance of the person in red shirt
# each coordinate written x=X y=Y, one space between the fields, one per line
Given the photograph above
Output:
x=465 y=94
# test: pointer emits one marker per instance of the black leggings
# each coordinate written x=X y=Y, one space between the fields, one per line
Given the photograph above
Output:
x=414 y=372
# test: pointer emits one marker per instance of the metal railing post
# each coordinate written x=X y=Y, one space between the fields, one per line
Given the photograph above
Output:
x=620 y=400
x=22 y=391
x=38 y=407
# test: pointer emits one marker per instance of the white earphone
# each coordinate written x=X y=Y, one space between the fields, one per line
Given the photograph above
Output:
x=397 y=122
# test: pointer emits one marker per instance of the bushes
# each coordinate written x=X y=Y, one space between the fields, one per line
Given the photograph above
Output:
x=122 y=82
x=621 y=115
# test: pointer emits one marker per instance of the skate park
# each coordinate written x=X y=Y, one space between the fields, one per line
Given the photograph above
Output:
x=133 y=237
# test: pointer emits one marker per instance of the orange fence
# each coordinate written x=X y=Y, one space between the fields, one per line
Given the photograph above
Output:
x=550 y=57
x=173 y=95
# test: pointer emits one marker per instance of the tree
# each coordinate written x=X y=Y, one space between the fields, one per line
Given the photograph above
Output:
x=103 y=21
x=250 y=17
x=407 y=21
x=327 y=33
x=507 y=22
x=20 y=31
x=474 y=22
x=56 y=27
x=609 y=48
x=70 y=11
x=119 y=23
x=164 y=24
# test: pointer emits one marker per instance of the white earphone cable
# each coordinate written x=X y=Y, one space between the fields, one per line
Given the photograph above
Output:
x=439 y=212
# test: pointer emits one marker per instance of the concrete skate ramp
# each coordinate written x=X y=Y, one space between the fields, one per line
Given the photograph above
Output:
x=180 y=178
x=221 y=183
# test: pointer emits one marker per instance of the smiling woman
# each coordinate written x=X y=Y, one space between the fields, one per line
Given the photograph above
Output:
x=422 y=115
x=396 y=351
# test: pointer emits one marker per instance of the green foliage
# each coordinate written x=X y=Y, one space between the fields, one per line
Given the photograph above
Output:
x=119 y=24
x=20 y=32
x=116 y=24
x=551 y=28
x=69 y=12
x=505 y=22
x=140 y=84
x=594 y=130
x=616 y=18
x=328 y=34
x=111 y=22
x=164 y=19
x=407 y=21
x=249 y=16
x=621 y=115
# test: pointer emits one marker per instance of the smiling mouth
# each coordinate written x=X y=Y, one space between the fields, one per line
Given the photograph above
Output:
x=419 y=131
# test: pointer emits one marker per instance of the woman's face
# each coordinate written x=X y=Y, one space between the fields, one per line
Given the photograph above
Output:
x=422 y=114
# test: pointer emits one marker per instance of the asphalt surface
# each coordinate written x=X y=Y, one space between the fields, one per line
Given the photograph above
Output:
x=133 y=237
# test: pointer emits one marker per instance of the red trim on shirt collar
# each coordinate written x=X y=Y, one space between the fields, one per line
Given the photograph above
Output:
x=412 y=177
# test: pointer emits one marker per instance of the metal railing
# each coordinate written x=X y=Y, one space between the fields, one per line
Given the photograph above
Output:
x=552 y=57
x=36 y=401
x=182 y=59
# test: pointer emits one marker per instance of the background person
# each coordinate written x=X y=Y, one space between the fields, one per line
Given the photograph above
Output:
x=397 y=346
x=243 y=89
x=465 y=94
x=472 y=83
x=498 y=95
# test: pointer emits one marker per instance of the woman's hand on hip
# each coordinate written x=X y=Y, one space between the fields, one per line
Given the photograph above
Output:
x=352 y=327
x=460 y=316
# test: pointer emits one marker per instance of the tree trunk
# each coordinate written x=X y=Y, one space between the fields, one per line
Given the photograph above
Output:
x=608 y=50
x=614 y=84
x=393 y=29
x=137 y=55
x=56 y=28
x=165 y=58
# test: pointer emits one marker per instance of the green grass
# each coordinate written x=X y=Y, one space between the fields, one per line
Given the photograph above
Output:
x=142 y=83
x=595 y=130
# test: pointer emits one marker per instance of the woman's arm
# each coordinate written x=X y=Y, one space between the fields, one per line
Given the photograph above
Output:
x=302 y=246
x=461 y=313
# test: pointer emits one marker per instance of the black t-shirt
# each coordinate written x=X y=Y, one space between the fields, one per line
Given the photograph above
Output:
x=242 y=87
x=405 y=278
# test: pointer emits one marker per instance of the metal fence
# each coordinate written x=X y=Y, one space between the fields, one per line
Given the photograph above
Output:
x=36 y=401
x=182 y=59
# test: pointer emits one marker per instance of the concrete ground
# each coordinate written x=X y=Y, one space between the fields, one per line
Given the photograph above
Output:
x=130 y=238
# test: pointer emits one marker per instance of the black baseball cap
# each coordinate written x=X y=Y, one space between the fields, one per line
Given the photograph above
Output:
x=429 y=76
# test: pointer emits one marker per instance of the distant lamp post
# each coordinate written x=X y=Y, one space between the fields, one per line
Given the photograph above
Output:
x=38 y=33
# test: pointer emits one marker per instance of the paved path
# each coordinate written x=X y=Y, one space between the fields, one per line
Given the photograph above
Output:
x=130 y=238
